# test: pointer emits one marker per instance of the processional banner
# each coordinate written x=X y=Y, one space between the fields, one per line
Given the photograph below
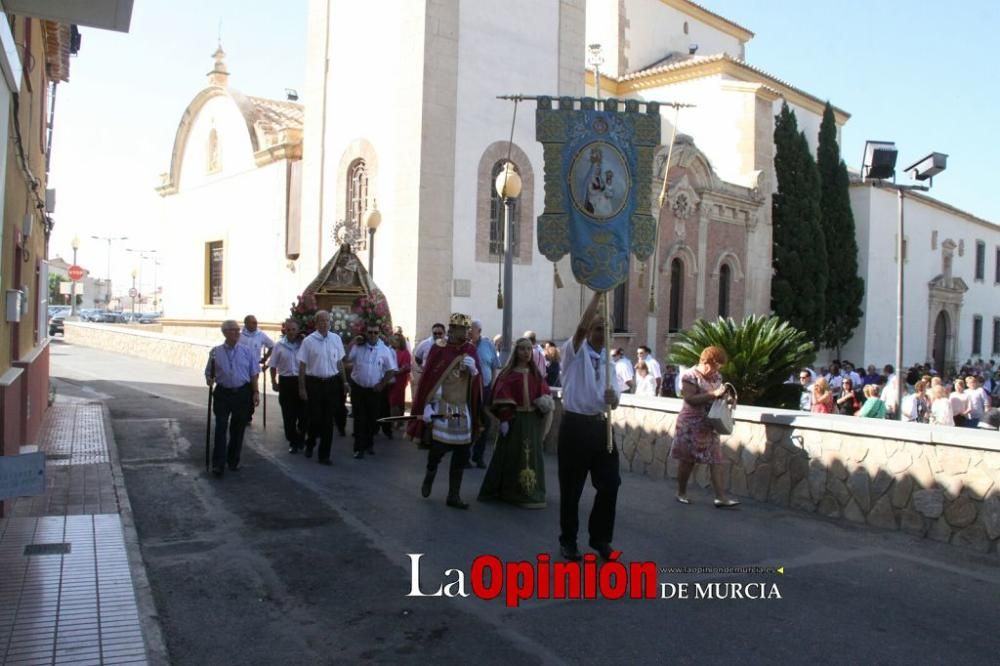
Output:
x=598 y=173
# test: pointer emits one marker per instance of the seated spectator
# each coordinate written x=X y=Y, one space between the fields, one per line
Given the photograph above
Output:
x=874 y=407
x=873 y=376
x=941 y=407
x=645 y=384
x=848 y=403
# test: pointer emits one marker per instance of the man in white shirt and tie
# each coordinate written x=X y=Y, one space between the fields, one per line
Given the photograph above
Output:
x=321 y=384
x=372 y=365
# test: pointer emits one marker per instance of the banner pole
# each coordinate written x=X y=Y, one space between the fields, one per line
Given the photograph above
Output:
x=607 y=366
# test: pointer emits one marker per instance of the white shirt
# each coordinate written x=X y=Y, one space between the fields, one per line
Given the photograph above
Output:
x=960 y=403
x=941 y=412
x=624 y=373
x=285 y=358
x=422 y=349
x=321 y=354
x=653 y=366
x=255 y=341
x=645 y=385
x=370 y=363
x=979 y=400
x=582 y=376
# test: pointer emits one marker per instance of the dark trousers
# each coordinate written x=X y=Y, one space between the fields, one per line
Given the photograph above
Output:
x=459 y=459
x=293 y=410
x=583 y=450
x=232 y=412
x=366 y=405
x=325 y=405
x=479 y=446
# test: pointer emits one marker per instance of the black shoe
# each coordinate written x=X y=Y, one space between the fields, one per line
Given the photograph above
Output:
x=604 y=550
x=370 y=450
x=469 y=465
x=480 y=464
x=570 y=552
x=234 y=467
x=358 y=455
x=456 y=503
x=217 y=472
x=293 y=449
x=325 y=461
x=309 y=450
x=425 y=488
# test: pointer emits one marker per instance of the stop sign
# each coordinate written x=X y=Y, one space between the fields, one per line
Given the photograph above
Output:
x=75 y=273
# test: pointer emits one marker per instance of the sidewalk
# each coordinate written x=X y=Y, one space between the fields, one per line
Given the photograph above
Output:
x=68 y=594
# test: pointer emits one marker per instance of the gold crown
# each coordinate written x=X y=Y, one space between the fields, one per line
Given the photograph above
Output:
x=459 y=319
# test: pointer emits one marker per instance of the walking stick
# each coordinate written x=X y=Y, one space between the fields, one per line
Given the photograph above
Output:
x=208 y=424
x=264 y=394
x=208 y=431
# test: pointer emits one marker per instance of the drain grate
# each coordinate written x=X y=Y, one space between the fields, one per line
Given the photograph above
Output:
x=34 y=549
x=58 y=456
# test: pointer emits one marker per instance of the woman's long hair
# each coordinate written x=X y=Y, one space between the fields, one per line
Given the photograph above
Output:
x=512 y=361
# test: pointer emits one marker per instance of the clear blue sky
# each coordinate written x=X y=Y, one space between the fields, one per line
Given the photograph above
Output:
x=920 y=73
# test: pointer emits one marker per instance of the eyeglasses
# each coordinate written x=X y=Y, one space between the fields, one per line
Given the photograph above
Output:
x=438 y=334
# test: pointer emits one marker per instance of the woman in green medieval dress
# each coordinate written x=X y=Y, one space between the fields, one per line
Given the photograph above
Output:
x=521 y=402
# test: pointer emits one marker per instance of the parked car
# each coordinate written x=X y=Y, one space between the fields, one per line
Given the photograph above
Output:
x=56 y=324
x=108 y=317
x=150 y=318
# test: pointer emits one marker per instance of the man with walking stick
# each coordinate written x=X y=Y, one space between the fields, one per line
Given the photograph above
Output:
x=233 y=371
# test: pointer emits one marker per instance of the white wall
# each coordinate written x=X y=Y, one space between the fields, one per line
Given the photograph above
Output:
x=876 y=215
x=242 y=205
x=530 y=65
x=656 y=29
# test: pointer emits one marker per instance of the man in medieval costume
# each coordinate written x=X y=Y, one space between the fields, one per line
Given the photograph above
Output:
x=448 y=402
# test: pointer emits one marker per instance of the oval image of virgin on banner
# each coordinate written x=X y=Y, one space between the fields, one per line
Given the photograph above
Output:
x=599 y=182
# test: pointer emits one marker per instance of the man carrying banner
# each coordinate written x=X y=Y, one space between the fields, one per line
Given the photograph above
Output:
x=583 y=445
x=449 y=399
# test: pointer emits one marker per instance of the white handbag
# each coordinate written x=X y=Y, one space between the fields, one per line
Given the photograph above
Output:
x=720 y=415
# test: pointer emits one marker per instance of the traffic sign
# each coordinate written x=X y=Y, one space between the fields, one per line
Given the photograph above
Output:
x=133 y=292
x=75 y=273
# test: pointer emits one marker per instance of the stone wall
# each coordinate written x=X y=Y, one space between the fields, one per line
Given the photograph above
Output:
x=137 y=341
x=937 y=482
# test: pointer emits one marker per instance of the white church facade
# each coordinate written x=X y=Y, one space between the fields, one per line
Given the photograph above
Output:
x=414 y=128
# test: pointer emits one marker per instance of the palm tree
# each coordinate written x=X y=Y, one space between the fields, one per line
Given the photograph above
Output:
x=763 y=352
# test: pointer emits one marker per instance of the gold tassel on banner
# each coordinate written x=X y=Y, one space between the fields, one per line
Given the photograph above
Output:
x=642 y=275
x=556 y=277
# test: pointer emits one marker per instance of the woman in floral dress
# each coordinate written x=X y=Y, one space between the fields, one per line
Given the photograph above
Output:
x=695 y=441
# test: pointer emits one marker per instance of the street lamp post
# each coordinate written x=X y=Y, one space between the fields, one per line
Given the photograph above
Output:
x=143 y=256
x=72 y=296
x=508 y=185
x=878 y=164
x=132 y=292
x=107 y=284
x=373 y=218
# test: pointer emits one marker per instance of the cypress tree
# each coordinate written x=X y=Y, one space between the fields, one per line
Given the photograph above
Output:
x=845 y=289
x=798 y=287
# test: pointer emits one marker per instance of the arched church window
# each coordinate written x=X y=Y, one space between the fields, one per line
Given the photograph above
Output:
x=214 y=162
x=725 y=281
x=357 y=200
x=497 y=220
x=676 y=295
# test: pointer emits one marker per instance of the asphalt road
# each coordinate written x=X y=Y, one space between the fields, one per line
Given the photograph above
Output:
x=290 y=562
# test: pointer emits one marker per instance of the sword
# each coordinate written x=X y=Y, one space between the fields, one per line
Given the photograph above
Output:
x=412 y=417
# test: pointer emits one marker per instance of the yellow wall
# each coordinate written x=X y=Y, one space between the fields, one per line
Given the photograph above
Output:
x=20 y=198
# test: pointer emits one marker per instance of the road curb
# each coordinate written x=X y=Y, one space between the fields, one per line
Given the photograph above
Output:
x=156 y=648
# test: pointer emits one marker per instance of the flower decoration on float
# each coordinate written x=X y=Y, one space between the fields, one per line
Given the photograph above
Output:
x=371 y=309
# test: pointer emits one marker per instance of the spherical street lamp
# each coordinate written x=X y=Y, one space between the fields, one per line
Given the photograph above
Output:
x=372 y=219
x=72 y=298
x=508 y=186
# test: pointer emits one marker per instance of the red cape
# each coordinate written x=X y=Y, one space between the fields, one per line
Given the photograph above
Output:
x=440 y=360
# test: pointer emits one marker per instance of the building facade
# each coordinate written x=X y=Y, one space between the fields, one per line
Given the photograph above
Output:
x=951 y=269
x=229 y=224
x=37 y=41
